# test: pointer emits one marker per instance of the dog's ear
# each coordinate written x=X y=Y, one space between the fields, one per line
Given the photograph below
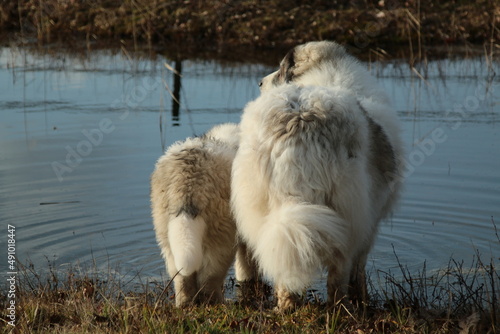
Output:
x=285 y=72
x=288 y=65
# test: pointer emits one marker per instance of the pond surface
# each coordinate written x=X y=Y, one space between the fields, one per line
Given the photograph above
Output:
x=79 y=137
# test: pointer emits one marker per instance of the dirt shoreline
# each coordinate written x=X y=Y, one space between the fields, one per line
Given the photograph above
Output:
x=216 y=26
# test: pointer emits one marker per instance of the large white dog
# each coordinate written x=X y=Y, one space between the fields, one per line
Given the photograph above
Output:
x=317 y=169
x=190 y=191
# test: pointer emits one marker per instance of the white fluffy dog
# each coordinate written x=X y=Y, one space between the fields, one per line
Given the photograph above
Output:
x=190 y=191
x=317 y=169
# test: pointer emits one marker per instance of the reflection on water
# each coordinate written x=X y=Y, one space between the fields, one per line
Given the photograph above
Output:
x=79 y=139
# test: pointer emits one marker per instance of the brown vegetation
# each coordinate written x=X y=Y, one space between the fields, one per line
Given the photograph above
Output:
x=222 y=24
x=459 y=299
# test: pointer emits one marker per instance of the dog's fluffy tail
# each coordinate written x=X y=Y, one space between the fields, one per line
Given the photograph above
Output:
x=296 y=239
x=185 y=236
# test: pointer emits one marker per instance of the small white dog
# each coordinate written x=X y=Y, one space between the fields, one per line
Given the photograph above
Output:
x=190 y=192
x=316 y=171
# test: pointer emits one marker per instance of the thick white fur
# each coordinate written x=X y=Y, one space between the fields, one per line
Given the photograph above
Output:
x=295 y=241
x=327 y=64
x=185 y=237
x=308 y=189
x=190 y=191
x=283 y=187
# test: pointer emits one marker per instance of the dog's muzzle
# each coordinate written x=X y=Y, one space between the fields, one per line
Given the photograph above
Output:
x=267 y=82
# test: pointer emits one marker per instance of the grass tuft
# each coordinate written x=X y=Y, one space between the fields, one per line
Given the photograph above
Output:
x=459 y=299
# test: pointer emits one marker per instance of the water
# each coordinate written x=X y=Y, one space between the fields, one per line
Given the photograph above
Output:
x=79 y=138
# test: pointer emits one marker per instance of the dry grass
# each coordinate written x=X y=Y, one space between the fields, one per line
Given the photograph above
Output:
x=458 y=299
x=220 y=24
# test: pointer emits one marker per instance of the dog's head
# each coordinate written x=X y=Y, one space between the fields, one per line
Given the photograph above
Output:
x=302 y=59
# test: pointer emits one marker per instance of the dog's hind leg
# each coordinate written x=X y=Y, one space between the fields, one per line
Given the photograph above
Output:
x=357 y=281
x=186 y=288
x=337 y=282
x=211 y=289
x=287 y=300
x=245 y=268
x=251 y=288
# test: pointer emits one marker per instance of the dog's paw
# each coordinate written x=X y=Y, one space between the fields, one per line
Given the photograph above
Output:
x=287 y=301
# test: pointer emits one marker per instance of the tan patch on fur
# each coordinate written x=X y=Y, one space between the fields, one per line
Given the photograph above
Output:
x=194 y=177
